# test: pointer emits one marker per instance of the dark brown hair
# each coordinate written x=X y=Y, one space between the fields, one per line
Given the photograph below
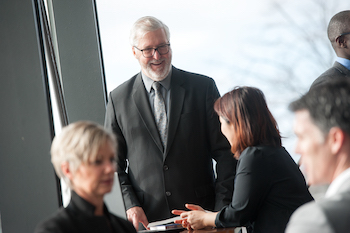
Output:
x=253 y=123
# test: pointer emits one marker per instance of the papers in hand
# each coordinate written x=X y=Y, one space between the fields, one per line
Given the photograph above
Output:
x=163 y=223
x=166 y=227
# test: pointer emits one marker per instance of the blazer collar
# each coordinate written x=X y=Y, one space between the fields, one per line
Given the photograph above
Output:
x=84 y=206
x=341 y=68
x=141 y=101
x=177 y=97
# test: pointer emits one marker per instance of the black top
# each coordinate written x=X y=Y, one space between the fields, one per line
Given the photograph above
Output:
x=79 y=217
x=268 y=188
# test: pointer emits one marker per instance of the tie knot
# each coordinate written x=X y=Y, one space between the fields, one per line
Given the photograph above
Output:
x=156 y=86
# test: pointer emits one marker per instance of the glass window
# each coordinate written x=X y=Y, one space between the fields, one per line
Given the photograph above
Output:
x=277 y=46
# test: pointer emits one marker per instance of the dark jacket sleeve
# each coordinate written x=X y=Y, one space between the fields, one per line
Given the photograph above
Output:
x=250 y=187
x=129 y=196
x=221 y=153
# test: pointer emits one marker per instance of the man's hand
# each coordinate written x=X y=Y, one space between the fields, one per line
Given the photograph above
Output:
x=136 y=215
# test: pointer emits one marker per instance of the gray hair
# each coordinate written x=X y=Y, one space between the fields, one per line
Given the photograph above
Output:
x=78 y=143
x=328 y=105
x=144 y=25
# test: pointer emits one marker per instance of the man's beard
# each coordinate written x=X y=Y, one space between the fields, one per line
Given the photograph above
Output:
x=158 y=75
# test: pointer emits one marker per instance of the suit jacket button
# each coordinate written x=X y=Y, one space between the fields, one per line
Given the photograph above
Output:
x=168 y=193
x=166 y=168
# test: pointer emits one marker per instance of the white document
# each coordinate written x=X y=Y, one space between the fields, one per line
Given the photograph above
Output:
x=170 y=226
x=163 y=222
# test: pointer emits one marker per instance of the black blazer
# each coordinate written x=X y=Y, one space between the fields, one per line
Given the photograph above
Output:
x=160 y=182
x=338 y=71
x=268 y=188
x=79 y=217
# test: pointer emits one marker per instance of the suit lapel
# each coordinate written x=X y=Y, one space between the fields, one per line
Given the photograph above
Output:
x=342 y=69
x=141 y=101
x=176 y=102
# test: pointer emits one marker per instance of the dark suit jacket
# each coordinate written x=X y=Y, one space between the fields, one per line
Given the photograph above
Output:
x=160 y=182
x=268 y=188
x=338 y=71
x=79 y=217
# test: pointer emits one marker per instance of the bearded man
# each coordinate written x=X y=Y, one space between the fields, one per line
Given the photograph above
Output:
x=168 y=133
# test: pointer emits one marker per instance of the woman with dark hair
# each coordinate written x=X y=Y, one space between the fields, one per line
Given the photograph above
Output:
x=269 y=186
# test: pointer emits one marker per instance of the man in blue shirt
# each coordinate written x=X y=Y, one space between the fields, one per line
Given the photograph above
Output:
x=339 y=35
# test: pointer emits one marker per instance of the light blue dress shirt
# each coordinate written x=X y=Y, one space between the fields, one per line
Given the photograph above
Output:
x=345 y=62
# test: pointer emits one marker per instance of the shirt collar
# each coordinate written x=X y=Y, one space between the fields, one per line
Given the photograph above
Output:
x=165 y=82
x=85 y=206
x=345 y=62
x=337 y=183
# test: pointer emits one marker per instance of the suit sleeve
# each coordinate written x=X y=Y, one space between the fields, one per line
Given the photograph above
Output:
x=309 y=218
x=220 y=151
x=251 y=184
x=111 y=124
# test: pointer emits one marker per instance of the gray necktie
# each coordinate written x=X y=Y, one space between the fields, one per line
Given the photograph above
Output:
x=160 y=113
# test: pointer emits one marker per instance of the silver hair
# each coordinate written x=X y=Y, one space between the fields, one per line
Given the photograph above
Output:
x=78 y=143
x=144 y=25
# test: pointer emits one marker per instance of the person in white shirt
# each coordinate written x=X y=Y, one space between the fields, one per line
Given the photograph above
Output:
x=322 y=125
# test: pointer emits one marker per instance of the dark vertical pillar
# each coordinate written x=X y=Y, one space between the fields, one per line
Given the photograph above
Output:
x=27 y=183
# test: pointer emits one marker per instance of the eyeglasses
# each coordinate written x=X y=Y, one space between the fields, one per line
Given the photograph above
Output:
x=343 y=34
x=147 y=53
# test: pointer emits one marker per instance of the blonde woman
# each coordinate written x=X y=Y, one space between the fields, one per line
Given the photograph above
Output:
x=83 y=154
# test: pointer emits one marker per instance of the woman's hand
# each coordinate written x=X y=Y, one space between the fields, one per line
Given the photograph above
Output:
x=197 y=218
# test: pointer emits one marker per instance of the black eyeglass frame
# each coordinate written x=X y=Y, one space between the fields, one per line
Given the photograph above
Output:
x=343 y=34
x=154 y=50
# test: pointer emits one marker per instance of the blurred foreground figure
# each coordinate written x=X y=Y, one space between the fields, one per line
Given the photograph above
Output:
x=322 y=125
x=83 y=154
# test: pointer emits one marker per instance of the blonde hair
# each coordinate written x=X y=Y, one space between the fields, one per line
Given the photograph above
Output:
x=78 y=143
